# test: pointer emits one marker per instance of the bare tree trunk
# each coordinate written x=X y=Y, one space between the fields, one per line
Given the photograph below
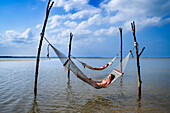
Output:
x=71 y=36
x=120 y=29
x=137 y=59
x=40 y=44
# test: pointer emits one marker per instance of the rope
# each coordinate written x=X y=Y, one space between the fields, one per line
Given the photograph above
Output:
x=76 y=59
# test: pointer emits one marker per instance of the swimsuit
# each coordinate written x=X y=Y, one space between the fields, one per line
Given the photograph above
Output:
x=104 y=82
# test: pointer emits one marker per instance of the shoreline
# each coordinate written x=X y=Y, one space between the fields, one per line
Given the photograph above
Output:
x=6 y=60
x=45 y=59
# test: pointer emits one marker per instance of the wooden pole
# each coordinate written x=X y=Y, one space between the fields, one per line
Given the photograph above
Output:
x=120 y=29
x=48 y=51
x=71 y=36
x=40 y=44
x=137 y=59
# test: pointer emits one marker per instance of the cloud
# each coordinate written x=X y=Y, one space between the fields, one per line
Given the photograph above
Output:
x=94 y=20
x=11 y=35
x=27 y=34
x=138 y=7
x=84 y=42
x=38 y=26
x=145 y=22
x=85 y=13
x=82 y=32
x=55 y=21
x=109 y=32
x=70 y=24
x=125 y=10
x=14 y=37
x=71 y=4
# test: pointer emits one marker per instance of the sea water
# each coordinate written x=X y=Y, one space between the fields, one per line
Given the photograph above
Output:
x=56 y=94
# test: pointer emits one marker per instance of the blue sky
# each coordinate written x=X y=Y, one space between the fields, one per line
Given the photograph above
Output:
x=94 y=24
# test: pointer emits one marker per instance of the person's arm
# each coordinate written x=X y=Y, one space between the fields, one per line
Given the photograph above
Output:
x=95 y=85
x=99 y=81
x=81 y=77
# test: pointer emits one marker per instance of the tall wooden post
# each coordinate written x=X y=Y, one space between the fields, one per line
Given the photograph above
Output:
x=69 y=53
x=40 y=44
x=120 y=29
x=137 y=59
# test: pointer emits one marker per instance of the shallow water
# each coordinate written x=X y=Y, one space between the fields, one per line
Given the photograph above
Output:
x=55 y=94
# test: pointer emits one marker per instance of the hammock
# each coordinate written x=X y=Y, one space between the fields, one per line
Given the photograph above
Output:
x=97 y=68
x=69 y=64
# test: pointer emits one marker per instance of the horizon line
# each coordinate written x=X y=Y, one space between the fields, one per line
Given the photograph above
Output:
x=66 y=57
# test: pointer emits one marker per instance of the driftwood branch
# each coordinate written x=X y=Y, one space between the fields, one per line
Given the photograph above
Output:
x=120 y=29
x=141 y=51
x=40 y=44
x=69 y=54
x=137 y=59
x=51 y=6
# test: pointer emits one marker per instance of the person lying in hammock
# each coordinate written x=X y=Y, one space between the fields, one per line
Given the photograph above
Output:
x=102 y=83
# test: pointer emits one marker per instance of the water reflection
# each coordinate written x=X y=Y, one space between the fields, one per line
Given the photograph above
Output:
x=121 y=87
x=97 y=104
x=139 y=105
x=69 y=90
x=35 y=108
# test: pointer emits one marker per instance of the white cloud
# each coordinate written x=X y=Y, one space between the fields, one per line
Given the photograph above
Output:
x=71 y=4
x=64 y=33
x=38 y=26
x=56 y=20
x=84 y=41
x=125 y=10
x=27 y=34
x=145 y=22
x=85 y=13
x=167 y=20
x=14 y=37
x=54 y=31
x=11 y=34
x=109 y=32
x=70 y=24
x=138 y=7
x=82 y=32
x=94 y=20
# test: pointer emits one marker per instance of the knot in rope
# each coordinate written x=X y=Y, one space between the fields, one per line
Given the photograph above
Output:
x=135 y=44
x=41 y=34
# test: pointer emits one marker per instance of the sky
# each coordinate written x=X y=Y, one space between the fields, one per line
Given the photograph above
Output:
x=94 y=24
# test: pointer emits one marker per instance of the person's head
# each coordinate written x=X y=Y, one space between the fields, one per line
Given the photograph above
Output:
x=111 y=77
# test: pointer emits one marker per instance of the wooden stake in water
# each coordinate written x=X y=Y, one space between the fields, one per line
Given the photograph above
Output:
x=71 y=36
x=40 y=44
x=137 y=59
x=120 y=29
